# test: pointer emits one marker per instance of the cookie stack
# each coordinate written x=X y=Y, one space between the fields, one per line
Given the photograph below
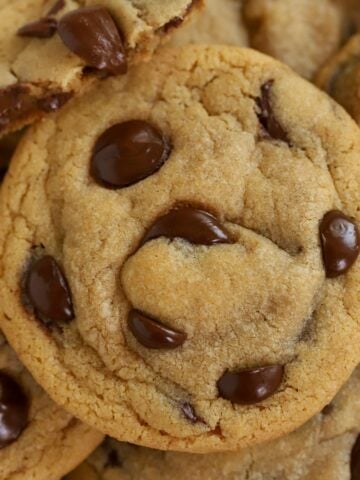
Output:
x=179 y=238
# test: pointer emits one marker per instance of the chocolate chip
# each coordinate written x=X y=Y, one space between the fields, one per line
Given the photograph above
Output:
x=340 y=241
x=127 y=153
x=58 y=5
x=189 y=412
x=54 y=102
x=13 y=101
x=355 y=460
x=251 y=385
x=14 y=410
x=153 y=334
x=92 y=34
x=195 y=226
x=48 y=291
x=43 y=28
x=270 y=124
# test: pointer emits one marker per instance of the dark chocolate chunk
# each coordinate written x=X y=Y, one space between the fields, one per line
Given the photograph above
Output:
x=252 y=385
x=54 y=102
x=127 y=153
x=355 y=460
x=14 y=410
x=48 y=291
x=43 y=28
x=13 y=100
x=153 y=334
x=194 y=225
x=266 y=116
x=91 y=33
x=340 y=241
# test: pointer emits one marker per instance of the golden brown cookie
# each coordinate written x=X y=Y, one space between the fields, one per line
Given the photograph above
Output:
x=179 y=251
x=325 y=448
x=301 y=33
x=219 y=22
x=340 y=77
x=51 y=49
x=38 y=440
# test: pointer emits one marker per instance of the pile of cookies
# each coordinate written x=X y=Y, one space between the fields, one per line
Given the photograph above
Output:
x=179 y=240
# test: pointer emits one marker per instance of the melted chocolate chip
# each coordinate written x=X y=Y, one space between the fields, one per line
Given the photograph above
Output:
x=54 y=102
x=127 y=153
x=43 y=28
x=48 y=291
x=340 y=240
x=355 y=460
x=153 y=334
x=13 y=101
x=270 y=124
x=92 y=34
x=189 y=412
x=252 y=385
x=58 y=5
x=14 y=410
x=17 y=104
x=195 y=226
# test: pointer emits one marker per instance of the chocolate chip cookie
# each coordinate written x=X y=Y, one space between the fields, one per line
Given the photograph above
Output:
x=38 y=440
x=179 y=251
x=219 y=22
x=340 y=77
x=301 y=33
x=325 y=448
x=49 y=50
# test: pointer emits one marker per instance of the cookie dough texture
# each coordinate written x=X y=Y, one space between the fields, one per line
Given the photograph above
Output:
x=219 y=22
x=53 y=443
x=45 y=66
x=260 y=300
x=340 y=77
x=319 y=450
x=301 y=33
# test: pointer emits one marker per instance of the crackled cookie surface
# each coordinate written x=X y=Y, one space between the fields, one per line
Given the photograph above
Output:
x=50 y=49
x=301 y=33
x=219 y=22
x=326 y=448
x=340 y=77
x=179 y=251
x=34 y=432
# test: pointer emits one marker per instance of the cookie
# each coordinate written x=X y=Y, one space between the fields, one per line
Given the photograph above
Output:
x=34 y=432
x=320 y=450
x=340 y=77
x=220 y=22
x=301 y=33
x=178 y=251
x=50 y=50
